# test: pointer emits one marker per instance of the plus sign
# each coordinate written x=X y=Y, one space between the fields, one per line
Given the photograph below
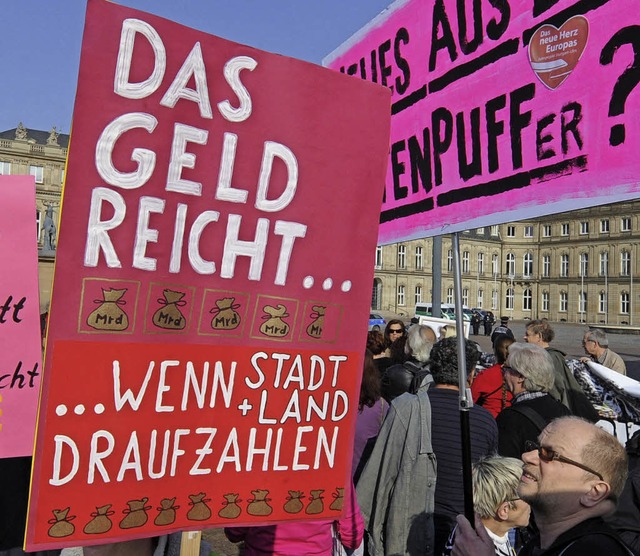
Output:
x=245 y=406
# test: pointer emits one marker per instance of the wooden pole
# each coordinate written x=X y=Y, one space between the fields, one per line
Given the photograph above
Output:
x=190 y=543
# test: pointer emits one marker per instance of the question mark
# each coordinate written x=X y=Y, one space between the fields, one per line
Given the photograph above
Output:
x=627 y=81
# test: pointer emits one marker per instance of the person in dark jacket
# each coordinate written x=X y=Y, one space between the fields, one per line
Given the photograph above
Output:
x=403 y=377
x=565 y=386
x=502 y=330
x=488 y=321
x=528 y=374
x=572 y=477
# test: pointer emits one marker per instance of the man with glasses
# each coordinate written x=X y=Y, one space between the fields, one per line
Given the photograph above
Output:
x=572 y=477
x=596 y=345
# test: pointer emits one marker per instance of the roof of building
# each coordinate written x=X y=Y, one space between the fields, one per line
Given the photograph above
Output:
x=40 y=137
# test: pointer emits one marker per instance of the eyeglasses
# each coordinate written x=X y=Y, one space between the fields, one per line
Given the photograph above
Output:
x=547 y=455
x=396 y=331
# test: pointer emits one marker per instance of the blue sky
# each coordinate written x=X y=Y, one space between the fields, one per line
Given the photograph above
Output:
x=41 y=39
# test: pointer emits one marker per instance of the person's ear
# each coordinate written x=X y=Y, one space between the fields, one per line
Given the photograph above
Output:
x=598 y=492
x=502 y=513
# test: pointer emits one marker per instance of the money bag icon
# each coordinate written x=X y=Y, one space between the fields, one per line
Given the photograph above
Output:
x=274 y=324
x=314 y=329
x=109 y=315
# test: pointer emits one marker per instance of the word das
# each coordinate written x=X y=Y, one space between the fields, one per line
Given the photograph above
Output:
x=157 y=454
x=101 y=232
x=20 y=379
x=7 y=313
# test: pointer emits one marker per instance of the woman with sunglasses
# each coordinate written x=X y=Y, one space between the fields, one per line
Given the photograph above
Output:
x=528 y=375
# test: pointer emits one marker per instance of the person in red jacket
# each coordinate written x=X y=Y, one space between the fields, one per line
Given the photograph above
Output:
x=488 y=388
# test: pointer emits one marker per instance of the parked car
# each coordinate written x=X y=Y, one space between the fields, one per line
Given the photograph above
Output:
x=376 y=321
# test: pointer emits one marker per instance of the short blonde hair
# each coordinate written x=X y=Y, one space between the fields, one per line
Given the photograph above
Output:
x=495 y=481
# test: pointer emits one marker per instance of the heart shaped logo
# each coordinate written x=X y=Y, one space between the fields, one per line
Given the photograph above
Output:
x=554 y=53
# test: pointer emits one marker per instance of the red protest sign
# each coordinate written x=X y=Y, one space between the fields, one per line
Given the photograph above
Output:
x=212 y=281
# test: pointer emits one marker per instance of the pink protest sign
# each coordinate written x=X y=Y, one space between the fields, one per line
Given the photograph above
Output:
x=212 y=285
x=20 y=343
x=502 y=110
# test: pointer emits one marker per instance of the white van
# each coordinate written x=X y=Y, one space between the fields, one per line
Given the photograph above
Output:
x=448 y=311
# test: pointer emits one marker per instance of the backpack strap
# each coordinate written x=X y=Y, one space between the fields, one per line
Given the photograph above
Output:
x=531 y=414
x=482 y=399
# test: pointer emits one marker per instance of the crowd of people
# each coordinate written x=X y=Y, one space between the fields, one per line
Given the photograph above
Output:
x=546 y=480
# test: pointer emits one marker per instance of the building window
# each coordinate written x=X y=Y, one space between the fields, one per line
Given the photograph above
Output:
x=402 y=256
x=584 y=228
x=546 y=230
x=480 y=232
x=494 y=299
x=62 y=176
x=511 y=231
x=5 y=168
x=480 y=263
x=604 y=263
x=545 y=301
x=37 y=172
x=604 y=226
x=582 y=302
x=526 y=300
x=625 y=224
x=379 y=256
x=449 y=295
x=564 y=301
x=624 y=303
x=546 y=266
x=465 y=296
x=564 y=265
x=480 y=299
x=494 y=264
x=418 y=258
x=494 y=231
x=625 y=263
x=449 y=260
x=527 y=265
x=401 y=295
x=565 y=229
x=602 y=302
x=528 y=231
x=418 y=294
x=465 y=262
x=509 y=298
x=38 y=225
x=510 y=268
x=584 y=264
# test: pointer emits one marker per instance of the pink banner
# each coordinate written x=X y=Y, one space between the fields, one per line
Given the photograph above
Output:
x=20 y=343
x=212 y=285
x=502 y=110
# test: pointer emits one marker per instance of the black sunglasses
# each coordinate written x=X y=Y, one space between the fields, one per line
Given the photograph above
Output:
x=396 y=331
x=547 y=454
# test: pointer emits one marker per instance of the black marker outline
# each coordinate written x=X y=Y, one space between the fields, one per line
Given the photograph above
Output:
x=488 y=189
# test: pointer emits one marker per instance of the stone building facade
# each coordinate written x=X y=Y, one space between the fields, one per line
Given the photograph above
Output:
x=578 y=266
x=575 y=267
x=42 y=154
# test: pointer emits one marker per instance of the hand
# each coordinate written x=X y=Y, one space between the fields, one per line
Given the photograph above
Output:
x=472 y=543
x=586 y=359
